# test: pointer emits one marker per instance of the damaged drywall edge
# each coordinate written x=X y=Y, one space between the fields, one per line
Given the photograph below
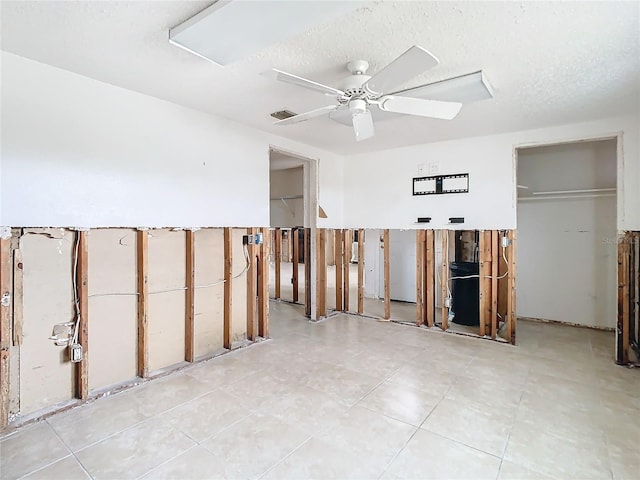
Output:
x=5 y=232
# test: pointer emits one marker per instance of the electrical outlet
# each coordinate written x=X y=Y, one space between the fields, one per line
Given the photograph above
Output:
x=75 y=352
x=447 y=302
x=434 y=168
x=422 y=170
x=258 y=240
x=506 y=241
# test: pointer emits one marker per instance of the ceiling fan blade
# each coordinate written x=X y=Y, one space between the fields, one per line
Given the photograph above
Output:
x=421 y=107
x=363 y=125
x=408 y=65
x=318 y=112
x=342 y=115
x=303 y=82
x=468 y=88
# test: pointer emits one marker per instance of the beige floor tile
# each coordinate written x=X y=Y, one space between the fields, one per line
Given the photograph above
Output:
x=425 y=378
x=369 y=434
x=250 y=447
x=497 y=392
x=430 y=456
x=93 y=422
x=580 y=457
x=206 y=415
x=512 y=471
x=625 y=462
x=163 y=394
x=196 y=463
x=401 y=402
x=133 y=452
x=29 y=449
x=321 y=460
x=341 y=384
x=66 y=469
x=472 y=424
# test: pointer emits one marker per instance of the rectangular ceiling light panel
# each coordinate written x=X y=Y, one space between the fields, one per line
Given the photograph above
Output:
x=230 y=30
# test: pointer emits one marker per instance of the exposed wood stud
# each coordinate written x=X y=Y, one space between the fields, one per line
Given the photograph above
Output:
x=5 y=329
x=511 y=289
x=387 y=279
x=18 y=304
x=429 y=276
x=295 y=260
x=263 y=286
x=307 y=272
x=347 y=262
x=228 y=284
x=623 y=299
x=189 y=318
x=361 y=271
x=420 y=270
x=321 y=273
x=143 y=305
x=252 y=319
x=495 y=258
x=82 y=275
x=338 y=238
x=444 y=280
x=278 y=255
x=485 y=267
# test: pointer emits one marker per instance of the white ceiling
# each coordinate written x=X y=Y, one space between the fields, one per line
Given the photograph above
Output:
x=549 y=63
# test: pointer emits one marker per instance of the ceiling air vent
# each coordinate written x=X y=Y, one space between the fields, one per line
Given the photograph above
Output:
x=283 y=114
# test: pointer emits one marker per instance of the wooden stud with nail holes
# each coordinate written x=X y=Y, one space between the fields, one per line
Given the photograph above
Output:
x=295 y=266
x=444 y=279
x=5 y=328
x=346 y=263
x=511 y=289
x=429 y=279
x=361 y=271
x=387 y=279
x=338 y=238
x=228 y=284
x=252 y=323
x=189 y=317
x=82 y=276
x=420 y=270
x=263 y=286
x=484 y=283
x=321 y=273
x=18 y=303
x=307 y=272
x=623 y=299
x=495 y=258
x=143 y=302
x=278 y=255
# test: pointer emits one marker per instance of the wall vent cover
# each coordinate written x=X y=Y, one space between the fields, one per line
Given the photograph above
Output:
x=283 y=114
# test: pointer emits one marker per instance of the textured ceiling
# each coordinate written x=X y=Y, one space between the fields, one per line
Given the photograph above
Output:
x=549 y=63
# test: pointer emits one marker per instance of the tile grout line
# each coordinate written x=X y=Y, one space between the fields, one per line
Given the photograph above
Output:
x=71 y=451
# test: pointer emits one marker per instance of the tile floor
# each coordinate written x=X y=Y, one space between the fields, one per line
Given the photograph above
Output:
x=356 y=398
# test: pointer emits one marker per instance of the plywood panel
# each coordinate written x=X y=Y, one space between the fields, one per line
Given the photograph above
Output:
x=239 y=290
x=166 y=308
x=46 y=374
x=112 y=318
x=209 y=301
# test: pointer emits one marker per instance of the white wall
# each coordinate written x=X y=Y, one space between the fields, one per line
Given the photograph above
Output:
x=378 y=185
x=78 y=152
x=288 y=182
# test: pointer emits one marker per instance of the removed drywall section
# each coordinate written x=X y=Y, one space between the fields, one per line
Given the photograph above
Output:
x=209 y=302
x=286 y=197
x=112 y=318
x=239 y=287
x=167 y=279
x=45 y=372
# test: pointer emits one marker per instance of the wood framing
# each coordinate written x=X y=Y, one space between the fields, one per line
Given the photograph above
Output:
x=444 y=279
x=82 y=277
x=252 y=319
x=321 y=273
x=429 y=279
x=142 y=242
x=495 y=258
x=5 y=328
x=361 y=271
x=307 y=272
x=263 y=286
x=338 y=247
x=420 y=280
x=278 y=258
x=228 y=284
x=484 y=283
x=18 y=300
x=295 y=248
x=511 y=289
x=346 y=250
x=622 y=337
x=189 y=310
x=387 y=280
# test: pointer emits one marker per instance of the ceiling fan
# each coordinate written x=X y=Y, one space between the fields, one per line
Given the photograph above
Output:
x=359 y=92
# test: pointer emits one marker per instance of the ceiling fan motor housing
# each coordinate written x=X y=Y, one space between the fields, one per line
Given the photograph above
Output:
x=357 y=105
x=352 y=85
